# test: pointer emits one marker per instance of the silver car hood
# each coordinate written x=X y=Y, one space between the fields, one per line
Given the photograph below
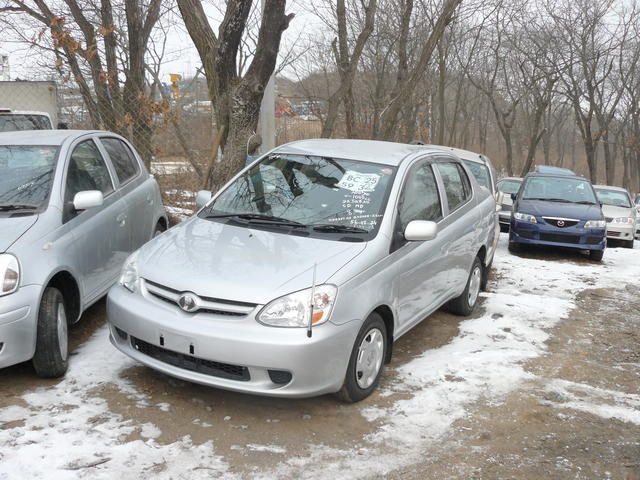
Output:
x=242 y=264
x=612 y=211
x=12 y=228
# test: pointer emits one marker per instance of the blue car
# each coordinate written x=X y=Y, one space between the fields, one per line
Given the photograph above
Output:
x=555 y=207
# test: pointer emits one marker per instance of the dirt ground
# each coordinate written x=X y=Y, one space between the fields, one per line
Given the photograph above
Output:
x=544 y=428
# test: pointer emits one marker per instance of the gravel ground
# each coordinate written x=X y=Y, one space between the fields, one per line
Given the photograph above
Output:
x=543 y=382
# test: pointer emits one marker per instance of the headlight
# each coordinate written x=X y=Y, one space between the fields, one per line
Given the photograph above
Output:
x=9 y=274
x=625 y=220
x=293 y=310
x=595 y=224
x=525 y=217
x=129 y=277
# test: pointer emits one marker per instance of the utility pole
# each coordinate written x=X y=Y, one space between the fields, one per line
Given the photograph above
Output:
x=267 y=120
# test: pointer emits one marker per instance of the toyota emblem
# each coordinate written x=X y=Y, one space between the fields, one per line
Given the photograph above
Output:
x=561 y=223
x=188 y=302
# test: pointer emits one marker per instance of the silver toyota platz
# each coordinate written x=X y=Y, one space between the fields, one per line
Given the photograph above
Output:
x=296 y=278
x=73 y=206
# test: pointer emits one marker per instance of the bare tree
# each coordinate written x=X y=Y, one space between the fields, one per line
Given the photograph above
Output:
x=96 y=45
x=236 y=98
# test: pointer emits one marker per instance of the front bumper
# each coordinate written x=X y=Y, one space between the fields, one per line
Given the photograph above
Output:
x=316 y=365
x=18 y=325
x=504 y=218
x=618 y=231
x=544 y=234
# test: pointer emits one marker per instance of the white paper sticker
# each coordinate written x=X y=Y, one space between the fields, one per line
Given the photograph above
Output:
x=359 y=182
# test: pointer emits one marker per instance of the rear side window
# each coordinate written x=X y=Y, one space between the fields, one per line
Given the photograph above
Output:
x=122 y=158
x=420 y=200
x=456 y=184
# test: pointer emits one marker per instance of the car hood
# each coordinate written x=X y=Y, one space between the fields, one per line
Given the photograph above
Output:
x=612 y=211
x=229 y=262
x=12 y=228
x=541 y=208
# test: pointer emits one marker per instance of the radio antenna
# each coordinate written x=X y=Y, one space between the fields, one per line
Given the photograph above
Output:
x=313 y=293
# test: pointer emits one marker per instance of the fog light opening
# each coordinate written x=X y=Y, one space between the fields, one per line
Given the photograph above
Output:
x=280 y=377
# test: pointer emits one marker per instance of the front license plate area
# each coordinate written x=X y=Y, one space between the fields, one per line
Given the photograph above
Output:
x=176 y=343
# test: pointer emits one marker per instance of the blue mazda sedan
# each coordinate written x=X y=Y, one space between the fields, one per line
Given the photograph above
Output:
x=555 y=207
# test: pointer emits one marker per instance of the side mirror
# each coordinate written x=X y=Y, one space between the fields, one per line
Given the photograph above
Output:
x=88 y=199
x=202 y=198
x=514 y=196
x=420 y=231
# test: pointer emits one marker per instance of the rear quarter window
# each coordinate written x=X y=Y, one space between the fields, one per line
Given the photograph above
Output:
x=123 y=160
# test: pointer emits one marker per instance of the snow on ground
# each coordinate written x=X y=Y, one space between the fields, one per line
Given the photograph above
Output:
x=62 y=429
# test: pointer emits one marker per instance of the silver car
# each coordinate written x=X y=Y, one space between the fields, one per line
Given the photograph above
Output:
x=619 y=212
x=507 y=186
x=298 y=276
x=73 y=206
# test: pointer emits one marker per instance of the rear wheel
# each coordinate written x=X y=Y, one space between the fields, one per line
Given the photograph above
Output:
x=596 y=255
x=52 y=341
x=466 y=302
x=366 y=362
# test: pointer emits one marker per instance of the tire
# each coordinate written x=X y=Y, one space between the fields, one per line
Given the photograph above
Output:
x=514 y=247
x=596 y=255
x=158 y=230
x=485 y=276
x=358 y=383
x=51 y=359
x=465 y=303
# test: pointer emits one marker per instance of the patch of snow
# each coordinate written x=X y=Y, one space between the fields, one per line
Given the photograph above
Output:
x=266 y=448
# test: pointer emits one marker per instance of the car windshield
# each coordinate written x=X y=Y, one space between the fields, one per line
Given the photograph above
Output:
x=559 y=189
x=615 y=198
x=26 y=175
x=509 y=186
x=319 y=194
x=480 y=172
x=18 y=121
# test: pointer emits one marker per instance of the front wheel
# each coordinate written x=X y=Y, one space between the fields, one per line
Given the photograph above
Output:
x=366 y=361
x=51 y=359
x=466 y=302
x=596 y=255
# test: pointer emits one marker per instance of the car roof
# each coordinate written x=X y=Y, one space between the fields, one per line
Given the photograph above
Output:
x=549 y=170
x=463 y=154
x=374 y=151
x=8 y=111
x=611 y=187
x=42 y=137
x=517 y=179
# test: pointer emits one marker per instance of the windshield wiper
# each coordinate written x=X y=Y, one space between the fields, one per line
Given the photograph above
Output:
x=258 y=217
x=14 y=207
x=331 y=228
x=584 y=202
x=549 y=199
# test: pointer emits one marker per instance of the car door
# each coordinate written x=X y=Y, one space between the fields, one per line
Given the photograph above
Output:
x=421 y=267
x=101 y=240
x=137 y=193
x=461 y=221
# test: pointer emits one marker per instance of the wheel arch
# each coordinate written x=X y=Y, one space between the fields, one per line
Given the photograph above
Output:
x=389 y=322
x=64 y=281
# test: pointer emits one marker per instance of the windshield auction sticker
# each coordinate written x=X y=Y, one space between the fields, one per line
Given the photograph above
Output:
x=359 y=182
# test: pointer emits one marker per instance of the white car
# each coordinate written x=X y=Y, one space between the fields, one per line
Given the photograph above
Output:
x=619 y=212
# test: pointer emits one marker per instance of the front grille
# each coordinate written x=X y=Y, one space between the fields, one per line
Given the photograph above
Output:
x=210 y=305
x=560 y=222
x=613 y=234
x=554 y=237
x=594 y=240
x=191 y=363
x=506 y=208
